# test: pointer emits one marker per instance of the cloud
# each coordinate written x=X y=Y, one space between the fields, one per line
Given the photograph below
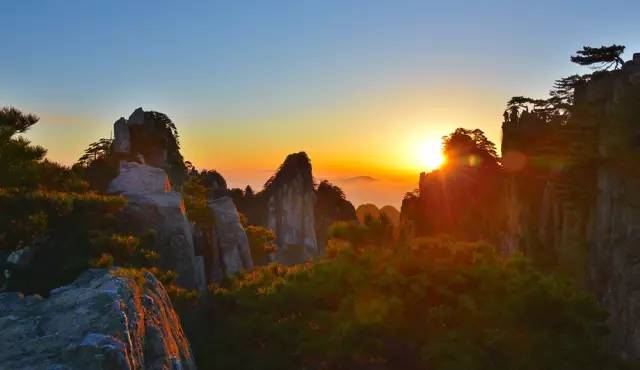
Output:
x=357 y=179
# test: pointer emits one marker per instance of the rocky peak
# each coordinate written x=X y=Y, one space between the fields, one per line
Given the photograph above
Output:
x=153 y=136
x=291 y=210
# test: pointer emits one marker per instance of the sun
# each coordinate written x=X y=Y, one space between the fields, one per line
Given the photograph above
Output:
x=430 y=155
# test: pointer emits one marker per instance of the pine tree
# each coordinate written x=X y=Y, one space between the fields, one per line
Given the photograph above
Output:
x=605 y=57
x=18 y=158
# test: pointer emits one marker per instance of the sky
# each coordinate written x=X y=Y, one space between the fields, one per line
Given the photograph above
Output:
x=361 y=86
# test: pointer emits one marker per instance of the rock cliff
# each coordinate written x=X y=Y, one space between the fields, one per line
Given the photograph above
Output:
x=152 y=205
x=103 y=320
x=573 y=195
x=232 y=253
x=291 y=210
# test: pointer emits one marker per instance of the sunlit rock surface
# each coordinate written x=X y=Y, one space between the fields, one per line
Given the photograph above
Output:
x=153 y=206
x=103 y=320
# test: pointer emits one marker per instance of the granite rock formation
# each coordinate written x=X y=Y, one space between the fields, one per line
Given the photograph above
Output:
x=573 y=194
x=152 y=205
x=153 y=136
x=231 y=253
x=291 y=210
x=103 y=320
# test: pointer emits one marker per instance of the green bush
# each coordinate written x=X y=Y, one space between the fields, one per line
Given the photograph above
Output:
x=433 y=304
x=262 y=242
x=70 y=232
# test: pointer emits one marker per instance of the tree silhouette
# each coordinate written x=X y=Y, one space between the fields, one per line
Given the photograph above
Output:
x=100 y=149
x=470 y=148
x=18 y=158
x=604 y=56
x=248 y=192
x=562 y=92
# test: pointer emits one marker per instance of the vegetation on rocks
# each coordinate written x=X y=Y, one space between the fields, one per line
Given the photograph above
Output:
x=430 y=304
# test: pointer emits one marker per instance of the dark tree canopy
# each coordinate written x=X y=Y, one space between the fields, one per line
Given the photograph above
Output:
x=19 y=159
x=332 y=205
x=295 y=164
x=248 y=192
x=604 y=57
x=14 y=121
x=98 y=150
x=470 y=148
x=215 y=182
x=558 y=107
x=563 y=89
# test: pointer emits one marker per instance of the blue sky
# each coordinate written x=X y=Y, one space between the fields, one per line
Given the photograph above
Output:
x=312 y=75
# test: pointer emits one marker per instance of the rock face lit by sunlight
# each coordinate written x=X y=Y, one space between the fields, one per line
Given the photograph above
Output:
x=430 y=155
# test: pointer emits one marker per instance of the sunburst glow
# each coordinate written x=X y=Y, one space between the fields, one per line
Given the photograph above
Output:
x=430 y=155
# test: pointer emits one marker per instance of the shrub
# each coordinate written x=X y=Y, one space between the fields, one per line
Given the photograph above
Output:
x=261 y=242
x=69 y=232
x=433 y=304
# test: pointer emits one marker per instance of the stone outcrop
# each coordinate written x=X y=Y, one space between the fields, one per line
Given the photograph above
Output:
x=573 y=196
x=103 y=320
x=153 y=136
x=231 y=253
x=135 y=135
x=152 y=205
x=291 y=210
x=147 y=145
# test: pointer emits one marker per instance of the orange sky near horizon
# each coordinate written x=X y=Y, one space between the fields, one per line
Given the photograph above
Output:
x=360 y=86
x=380 y=136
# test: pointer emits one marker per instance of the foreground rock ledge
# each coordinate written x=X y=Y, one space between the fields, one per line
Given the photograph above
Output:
x=103 y=320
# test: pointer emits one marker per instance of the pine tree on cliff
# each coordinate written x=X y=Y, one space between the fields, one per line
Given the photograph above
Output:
x=97 y=150
x=470 y=148
x=561 y=100
x=295 y=164
x=604 y=57
x=18 y=158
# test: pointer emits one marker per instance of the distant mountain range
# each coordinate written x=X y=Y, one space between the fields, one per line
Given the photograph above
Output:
x=358 y=179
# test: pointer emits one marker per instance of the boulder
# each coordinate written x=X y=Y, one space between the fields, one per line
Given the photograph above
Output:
x=152 y=205
x=136 y=178
x=230 y=240
x=103 y=320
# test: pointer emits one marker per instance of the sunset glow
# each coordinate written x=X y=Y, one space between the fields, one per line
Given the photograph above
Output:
x=430 y=155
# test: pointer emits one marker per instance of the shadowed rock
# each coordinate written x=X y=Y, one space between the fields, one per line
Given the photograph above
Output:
x=230 y=240
x=574 y=202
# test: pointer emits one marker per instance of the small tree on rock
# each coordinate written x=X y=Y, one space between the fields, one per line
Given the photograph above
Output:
x=604 y=57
